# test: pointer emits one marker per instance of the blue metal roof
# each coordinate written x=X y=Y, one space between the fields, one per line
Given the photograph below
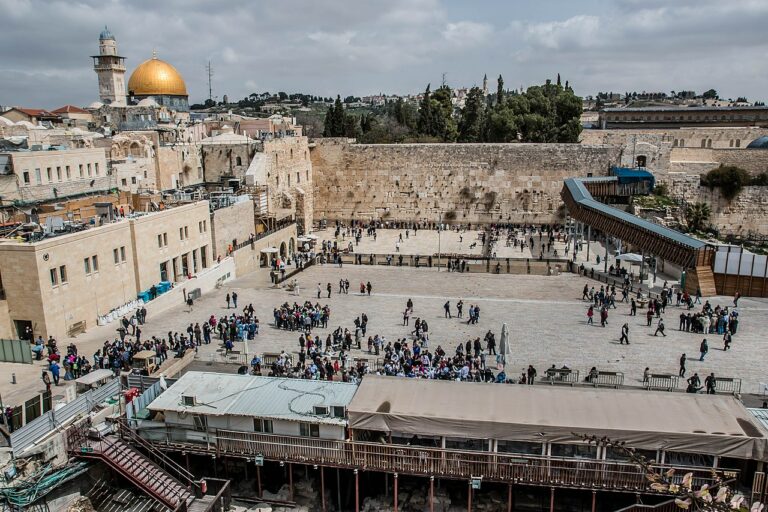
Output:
x=582 y=196
x=630 y=175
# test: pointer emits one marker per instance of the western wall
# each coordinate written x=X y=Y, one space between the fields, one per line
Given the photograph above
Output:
x=462 y=183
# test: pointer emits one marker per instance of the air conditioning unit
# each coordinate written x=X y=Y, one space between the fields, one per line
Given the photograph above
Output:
x=320 y=410
x=189 y=401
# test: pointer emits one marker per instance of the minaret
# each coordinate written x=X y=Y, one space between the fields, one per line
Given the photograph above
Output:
x=485 y=85
x=110 y=68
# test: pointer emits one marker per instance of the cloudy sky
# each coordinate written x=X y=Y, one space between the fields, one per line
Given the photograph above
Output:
x=364 y=47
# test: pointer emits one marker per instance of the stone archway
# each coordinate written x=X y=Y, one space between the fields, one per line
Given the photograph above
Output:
x=642 y=160
x=282 y=252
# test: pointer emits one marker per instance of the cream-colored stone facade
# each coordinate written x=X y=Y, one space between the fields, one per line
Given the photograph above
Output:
x=43 y=175
x=290 y=178
x=60 y=281
x=231 y=226
x=179 y=165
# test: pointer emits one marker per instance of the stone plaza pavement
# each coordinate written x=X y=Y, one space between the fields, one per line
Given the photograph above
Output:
x=546 y=317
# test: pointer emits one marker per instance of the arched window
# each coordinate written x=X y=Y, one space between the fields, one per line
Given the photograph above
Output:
x=239 y=161
x=641 y=161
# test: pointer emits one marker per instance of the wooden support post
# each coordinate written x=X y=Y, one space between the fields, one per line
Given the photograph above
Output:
x=509 y=498
x=357 y=492
x=431 y=494
x=258 y=479
x=594 y=500
x=469 y=496
x=395 y=492
x=322 y=488
x=290 y=480
x=186 y=457
x=551 y=499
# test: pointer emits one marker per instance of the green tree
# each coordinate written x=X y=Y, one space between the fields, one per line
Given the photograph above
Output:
x=426 y=123
x=697 y=215
x=471 y=123
x=710 y=94
x=334 y=124
x=728 y=178
x=500 y=91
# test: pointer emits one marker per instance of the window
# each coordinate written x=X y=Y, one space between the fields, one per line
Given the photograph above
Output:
x=96 y=168
x=89 y=170
x=320 y=410
x=289 y=180
x=260 y=425
x=69 y=173
x=164 y=271
x=87 y=265
x=238 y=161
x=58 y=173
x=309 y=430
x=204 y=256
x=48 y=174
x=519 y=447
x=186 y=232
x=54 y=277
x=160 y=241
x=116 y=256
x=201 y=422
x=614 y=454
x=133 y=180
x=81 y=170
x=478 y=445
x=122 y=253
x=38 y=178
x=95 y=263
x=26 y=177
x=165 y=239
x=579 y=451
x=298 y=178
x=337 y=411
x=181 y=233
x=63 y=274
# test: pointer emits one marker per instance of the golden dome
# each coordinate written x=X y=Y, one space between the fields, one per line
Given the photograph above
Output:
x=155 y=77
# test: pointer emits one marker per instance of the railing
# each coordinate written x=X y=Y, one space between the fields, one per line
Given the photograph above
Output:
x=664 y=506
x=417 y=460
x=728 y=385
x=661 y=382
x=610 y=379
x=562 y=376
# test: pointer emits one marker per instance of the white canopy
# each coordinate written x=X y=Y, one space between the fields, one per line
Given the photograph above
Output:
x=269 y=250
x=631 y=257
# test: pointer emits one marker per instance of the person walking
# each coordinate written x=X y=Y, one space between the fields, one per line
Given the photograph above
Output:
x=319 y=290
x=727 y=338
x=624 y=334
x=590 y=314
x=633 y=308
x=329 y=287
x=660 y=328
x=531 y=374
x=447 y=308
x=703 y=349
x=369 y=287
x=228 y=299
x=234 y=299
x=681 y=373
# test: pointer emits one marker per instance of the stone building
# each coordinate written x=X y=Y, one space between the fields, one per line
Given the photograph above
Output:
x=59 y=281
x=675 y=117
x=110 y=68
x=41 y=175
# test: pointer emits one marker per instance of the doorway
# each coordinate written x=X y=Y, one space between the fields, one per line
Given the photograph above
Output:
x=24 y=329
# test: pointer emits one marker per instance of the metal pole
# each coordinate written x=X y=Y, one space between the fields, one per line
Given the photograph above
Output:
x=606 y=253
x=395 y=492
x=322 y=487
x=589 y=237
x=431 y=494
x=469 y=496
x=594 y=500
x=357 y=493
x=258 y=479
x=552 y=499
x=338 y=488
x=509 y=498
x=290 y=479
x=439 y=246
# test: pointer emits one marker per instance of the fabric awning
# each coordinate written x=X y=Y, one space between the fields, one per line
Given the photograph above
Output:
x=708 y=424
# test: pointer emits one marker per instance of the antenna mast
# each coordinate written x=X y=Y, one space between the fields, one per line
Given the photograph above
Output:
x=209 y=69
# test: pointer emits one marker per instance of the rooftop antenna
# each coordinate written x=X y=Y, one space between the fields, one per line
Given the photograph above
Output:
x=443 y=82
x=209 y=70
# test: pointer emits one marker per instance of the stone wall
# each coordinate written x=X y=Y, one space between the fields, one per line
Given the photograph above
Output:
x=221 y=160
x=234 y=222
x=179 y=165
x=722 y=138
x=290 y=174
x=465 y=183
x=698 y=160
x=740 y=216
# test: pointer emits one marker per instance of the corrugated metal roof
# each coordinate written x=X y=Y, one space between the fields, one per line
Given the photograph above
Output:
x=683 y=109
x=582 y=196
x=761 y=415
x=221 y=394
